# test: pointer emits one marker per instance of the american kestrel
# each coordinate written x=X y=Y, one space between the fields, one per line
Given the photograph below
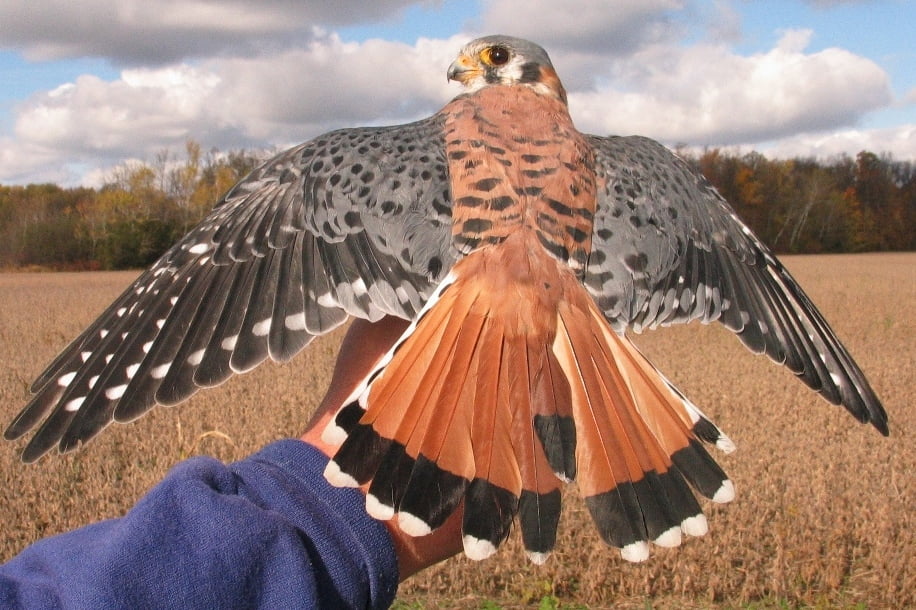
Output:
x=521 y=250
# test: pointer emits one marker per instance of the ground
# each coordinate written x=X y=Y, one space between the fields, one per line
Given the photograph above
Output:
x=824 y=514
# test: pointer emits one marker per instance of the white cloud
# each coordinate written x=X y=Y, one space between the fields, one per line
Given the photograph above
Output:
x=591 y=26
x=825 y=4
x=275 y=100
x=22 y=162
x=899 y=141
x=153 y=106
x=334 y=84
x=164 y=31
x=707 y=94
x=910 y=96
x=642 y=78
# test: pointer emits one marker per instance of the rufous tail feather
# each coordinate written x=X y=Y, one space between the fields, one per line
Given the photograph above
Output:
x=497 y=403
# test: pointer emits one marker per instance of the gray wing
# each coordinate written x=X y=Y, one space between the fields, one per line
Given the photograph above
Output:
x=667 y=249
x=356 y=222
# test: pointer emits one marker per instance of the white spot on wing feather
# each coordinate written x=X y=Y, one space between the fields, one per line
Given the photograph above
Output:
x=295 y=321
x=359 y=287
x=75 y=404
x=158 y=372
x=261 y=328
x=326 y=300
x=115 y=392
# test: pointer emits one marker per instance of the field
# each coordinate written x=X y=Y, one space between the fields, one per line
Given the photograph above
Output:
x=826 y=509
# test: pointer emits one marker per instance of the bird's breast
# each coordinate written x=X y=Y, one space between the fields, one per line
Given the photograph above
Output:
x=517 y=163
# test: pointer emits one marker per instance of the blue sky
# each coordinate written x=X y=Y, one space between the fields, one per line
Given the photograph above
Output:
x=90 y=85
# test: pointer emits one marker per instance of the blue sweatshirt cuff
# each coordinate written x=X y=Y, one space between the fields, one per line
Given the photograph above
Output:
x=265 y=532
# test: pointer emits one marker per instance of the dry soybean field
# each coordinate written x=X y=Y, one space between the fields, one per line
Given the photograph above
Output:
x=826 y=509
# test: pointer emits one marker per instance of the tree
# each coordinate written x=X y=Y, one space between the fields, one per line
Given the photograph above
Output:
x=798 y=205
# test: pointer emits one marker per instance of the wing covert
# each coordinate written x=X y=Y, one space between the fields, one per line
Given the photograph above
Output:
x=354 y=222
x=668 y=249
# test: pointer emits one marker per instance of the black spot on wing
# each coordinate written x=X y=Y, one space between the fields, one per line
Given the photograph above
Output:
x=310 y=236
x=676 y=251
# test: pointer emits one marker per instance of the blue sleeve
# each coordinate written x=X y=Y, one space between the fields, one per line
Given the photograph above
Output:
x=265 y=532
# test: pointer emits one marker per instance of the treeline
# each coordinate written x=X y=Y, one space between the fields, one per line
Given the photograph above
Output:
x=805 y=206
x=126 y=224
x=800 y=206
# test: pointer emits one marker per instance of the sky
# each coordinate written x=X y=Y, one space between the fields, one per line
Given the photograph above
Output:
x=89 y=85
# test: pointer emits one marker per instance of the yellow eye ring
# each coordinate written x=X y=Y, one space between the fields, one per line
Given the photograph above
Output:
x=496 y=55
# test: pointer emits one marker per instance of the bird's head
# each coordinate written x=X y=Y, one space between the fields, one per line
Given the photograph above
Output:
x=504 y=60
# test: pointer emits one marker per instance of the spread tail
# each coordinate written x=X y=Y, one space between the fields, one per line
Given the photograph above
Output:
x=499 y=404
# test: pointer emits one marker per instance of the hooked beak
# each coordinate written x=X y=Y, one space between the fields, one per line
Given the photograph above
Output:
x=463 y=69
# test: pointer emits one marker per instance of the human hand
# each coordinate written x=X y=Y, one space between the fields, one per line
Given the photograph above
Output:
x=364 y=344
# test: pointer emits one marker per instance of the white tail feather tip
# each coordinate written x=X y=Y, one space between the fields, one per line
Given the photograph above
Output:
x=337 y=477
x=537 y=558
x=725 y=444
x=635 y=551
x=726 y=493
x=413 y=525
x=377 y=510
x=562 y=476
x=670 y=538
x=695 y=526
x=333 y=434
x=477 y=549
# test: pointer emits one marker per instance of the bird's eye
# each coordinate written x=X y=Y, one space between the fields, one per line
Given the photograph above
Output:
x=496 y=56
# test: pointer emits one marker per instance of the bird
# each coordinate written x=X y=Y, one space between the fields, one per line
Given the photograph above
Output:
x=523 y=254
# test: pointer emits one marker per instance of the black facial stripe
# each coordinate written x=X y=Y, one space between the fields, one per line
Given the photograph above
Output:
x=531 y=73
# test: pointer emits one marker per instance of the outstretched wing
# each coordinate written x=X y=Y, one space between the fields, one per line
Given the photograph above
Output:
x=355 y=222
x=667 y=249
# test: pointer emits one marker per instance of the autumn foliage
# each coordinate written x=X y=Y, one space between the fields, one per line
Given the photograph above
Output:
x=798 y=206
x=804 y=206
x=127 y=223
